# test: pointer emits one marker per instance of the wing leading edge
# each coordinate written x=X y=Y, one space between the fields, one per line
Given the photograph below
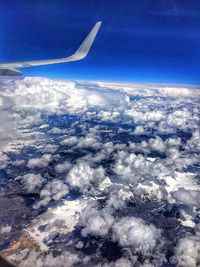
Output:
x=10 y=69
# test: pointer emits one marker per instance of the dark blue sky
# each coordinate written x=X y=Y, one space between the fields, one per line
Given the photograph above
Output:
x=142 y=41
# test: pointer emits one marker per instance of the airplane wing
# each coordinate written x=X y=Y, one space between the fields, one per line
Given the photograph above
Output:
x=11 y=67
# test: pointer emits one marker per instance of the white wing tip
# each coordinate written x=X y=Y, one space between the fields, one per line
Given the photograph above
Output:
x=99 y=23
x=84 y=48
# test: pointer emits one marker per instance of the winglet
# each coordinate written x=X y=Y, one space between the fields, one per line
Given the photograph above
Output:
x=84 y=48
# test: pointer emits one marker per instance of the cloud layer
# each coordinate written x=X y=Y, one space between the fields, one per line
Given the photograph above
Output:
x=105 y=169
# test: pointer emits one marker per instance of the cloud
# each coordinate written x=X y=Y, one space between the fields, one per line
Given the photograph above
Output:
x=71 y=141
x=66 y=259
x=41 y=93
x=187 y=251
x=8 y=129
x=88 y=141
x=63 y=167
x=50 y=148
x=157 y=144
x=144 y=241
x=82 y=175
x=135 y=233
x=118 y=197
x=139 y=130
x=39 y=162
x=122 y=262
x=53 y=190
x=96 y=222
x=31 y=181
x=193 y=144
x=187 y=197
x=152 y=90
x=132 y=168
x=4 y=160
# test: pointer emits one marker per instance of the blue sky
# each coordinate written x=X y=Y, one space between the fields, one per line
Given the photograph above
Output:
x=141 y=41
